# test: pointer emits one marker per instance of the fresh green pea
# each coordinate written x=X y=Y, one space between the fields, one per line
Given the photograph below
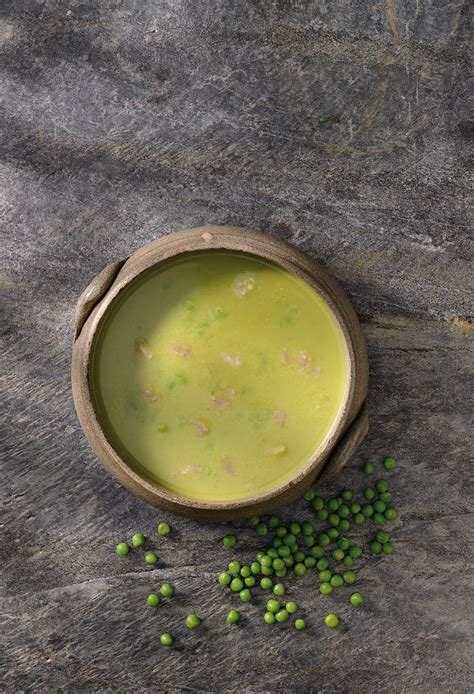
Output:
x=269 y=618
x=307 y=528
x=325 y=576
x=267 y=570
x=322 y=564
x=382 y=536
x=309 y=495
x=245 y=571
x=333 y=533
x=233 y=617
x=326 y=588
x=386 y=497
x=279 y=589
x=331 y=621
x=166 y=639
x=379 y=506
x=253 y=521
x=309 y=562
x=236 y=584
x=299 y=556
x=277 y=542
x=245 y=595
x=343 y=511
x=300 y=624
x=344 y=525
x=281 y=531
x=289 y=540
x=283 y=551
x=338 y=554
x=349 y=577
x=289 y=561
x=356 y=508
x=295 y=528
x=368 y=510
x=368 y=468
x=322 y=514
x=318 y=503
x=272 y=552
x=333 y=504
x=122 y=549
x=291 y=607
x=266 y=560
x=381 y=486
x=375 y=547
x=282 y=616
x=368 y=493
x=229 y=541
x=299 y=569
x=356 y=599
x=390 y=463
x=138 y=539
x=166 y=590
x=336 y=581
x=317 y=552
x=151 y=558
x=309 y=540
x=273 y=522
x=278 y=564
x=266 y=583
x=391 y=513
x=355 y=551
x=348 y=561
x=234 y=567
x=358 y=518
x=224 y=578
x=261 y=529
x=259 y=555
x=323 y=540
x=273 y=605
x=153 y=600
x=347 y=494
x=378 y=518
x=193 y=621
x=334 y=519
x=249 y=581
x=387 y=548
x=255 y=568
x=163 y=529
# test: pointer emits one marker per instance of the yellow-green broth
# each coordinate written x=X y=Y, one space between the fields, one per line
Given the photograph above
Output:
x=218 y=375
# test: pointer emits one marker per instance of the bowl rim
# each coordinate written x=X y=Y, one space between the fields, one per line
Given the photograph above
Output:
x=233 y=239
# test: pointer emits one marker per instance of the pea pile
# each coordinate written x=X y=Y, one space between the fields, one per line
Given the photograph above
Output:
x=319 y=545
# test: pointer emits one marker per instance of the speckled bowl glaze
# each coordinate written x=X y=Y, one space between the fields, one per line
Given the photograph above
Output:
x=103 y=291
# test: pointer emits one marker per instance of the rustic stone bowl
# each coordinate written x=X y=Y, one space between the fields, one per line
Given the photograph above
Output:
x=103 y=291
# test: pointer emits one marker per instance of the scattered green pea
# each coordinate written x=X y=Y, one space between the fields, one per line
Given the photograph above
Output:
x=300 y=624
x=356 y=508
x=166 y=590
x=336 y=581
x=349 y=577
x=331 y=621
x=378 y=518
x=391 y=514
x=261 y=529
x=307 y=528
x=390 y=463
x=318 y=503
x=334 y=519
x=272 y=553
x=368 y=468
x=375 y=547
x=348 y=561
x=338 y=554
x=322 y=514
x=151 y=558
x=234 y=567
x=122 y=549
x=245 y=595
x=325 y=576
x=295 y=528
x=368 y=510
x=163 y=529
x=273 y=605
x=347 y=494
x=284 y=551
x=266 y=583
x=273 y=522
x=289 y=561
x=138 y=539
x=233 y=617
x=355 y=551
x=322 y=564
x=309 y=540
x=224 y=578
x=236 y=584
x=333 y=533
x=309 y=495
x=356 y=599
x=317 y=552
x=324 y=540
x=382 y=536
x=381 y=485
x=379 y=506
x=166 y=639
x=255 y=568
x=249 y=581
x=309 y=562
x=387 y=548
x=253 y=520
x=291 y=607
x=386 y=497
x=343 y=511
x=281 y=531
x=333 y=504
x=358 y=518
x=368 y=493
x=299 y=569
x=299 y=556
x=245 y=571
x=289 y=540
x=153 y=600
x=229 y=541
x=326 y=588
x=279 y=589
x=282 y=616
x=269 y=618
x=344 y=525
x=193 y=621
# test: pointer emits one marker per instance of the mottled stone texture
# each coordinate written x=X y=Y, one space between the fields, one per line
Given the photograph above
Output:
x=342 y=126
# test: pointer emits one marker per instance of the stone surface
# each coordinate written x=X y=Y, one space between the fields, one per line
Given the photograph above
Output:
x=340 y=126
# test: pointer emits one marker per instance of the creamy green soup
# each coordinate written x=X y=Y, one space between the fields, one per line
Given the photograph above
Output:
x=218 y=375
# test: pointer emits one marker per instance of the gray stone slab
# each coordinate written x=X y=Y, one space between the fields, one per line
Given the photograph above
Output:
x=340 y=126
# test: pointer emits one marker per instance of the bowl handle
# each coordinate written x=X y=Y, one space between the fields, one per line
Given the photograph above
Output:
x=94 y=292
x=347 y=445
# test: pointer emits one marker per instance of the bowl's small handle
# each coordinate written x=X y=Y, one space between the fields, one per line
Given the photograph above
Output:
x=94 y=292
x=347 y=445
